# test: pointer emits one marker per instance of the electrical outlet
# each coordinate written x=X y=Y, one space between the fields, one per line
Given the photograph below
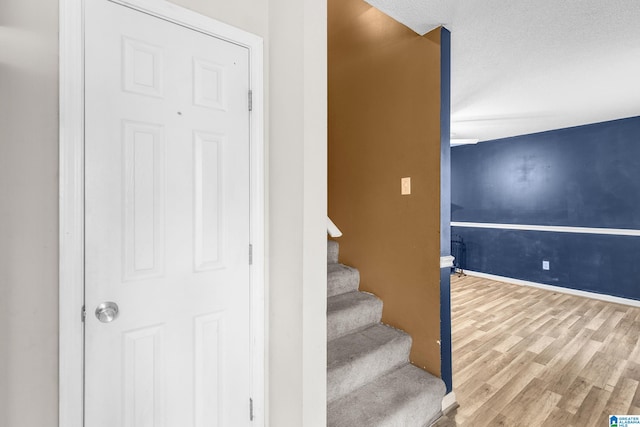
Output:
x=545 y=265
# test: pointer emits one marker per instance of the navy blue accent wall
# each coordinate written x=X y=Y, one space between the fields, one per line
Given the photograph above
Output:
x=445 y=207
x=590 y=262
x=586 y=176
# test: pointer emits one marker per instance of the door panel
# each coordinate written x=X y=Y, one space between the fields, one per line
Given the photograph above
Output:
x=167 y=223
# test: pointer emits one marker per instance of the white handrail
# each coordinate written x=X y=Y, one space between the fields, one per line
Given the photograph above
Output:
x=332 y=229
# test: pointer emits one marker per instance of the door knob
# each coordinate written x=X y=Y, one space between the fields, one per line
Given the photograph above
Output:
x=107 y=312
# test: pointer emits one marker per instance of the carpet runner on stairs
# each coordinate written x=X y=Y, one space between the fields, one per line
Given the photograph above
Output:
x=370 y=382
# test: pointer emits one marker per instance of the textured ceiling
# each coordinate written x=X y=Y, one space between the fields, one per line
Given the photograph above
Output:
x=421 y=16
x=526 y=66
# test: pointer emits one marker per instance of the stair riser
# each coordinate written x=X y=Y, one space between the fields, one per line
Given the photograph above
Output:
x=342 y=281
x=332 y=252
x=346 y=321
x=344 y=379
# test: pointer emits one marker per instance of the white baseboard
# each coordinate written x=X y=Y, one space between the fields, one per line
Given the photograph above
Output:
x=586 y=294
x=449 y=402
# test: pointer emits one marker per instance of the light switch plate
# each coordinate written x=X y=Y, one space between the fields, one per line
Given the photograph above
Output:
x=405 y=186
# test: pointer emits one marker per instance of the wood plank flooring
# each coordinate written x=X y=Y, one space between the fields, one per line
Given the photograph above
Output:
x=530 y=357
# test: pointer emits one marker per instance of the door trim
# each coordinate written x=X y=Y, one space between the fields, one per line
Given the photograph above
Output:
x=71 y=199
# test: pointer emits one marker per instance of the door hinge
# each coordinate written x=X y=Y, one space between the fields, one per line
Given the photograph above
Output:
x=250 y=100
x=83 y=314
x=250 y=409
x=250 y=254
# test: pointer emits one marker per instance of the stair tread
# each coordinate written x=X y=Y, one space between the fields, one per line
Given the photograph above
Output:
x=407 y=396
x=358 y=358
x=341 y=279
x=351 y=311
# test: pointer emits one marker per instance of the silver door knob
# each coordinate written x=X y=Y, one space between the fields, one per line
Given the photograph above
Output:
x=107 y=312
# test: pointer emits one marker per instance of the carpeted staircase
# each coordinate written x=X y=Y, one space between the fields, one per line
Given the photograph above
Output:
x=370 y=382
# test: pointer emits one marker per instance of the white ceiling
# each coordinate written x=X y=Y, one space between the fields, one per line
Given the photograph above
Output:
x=524 y=66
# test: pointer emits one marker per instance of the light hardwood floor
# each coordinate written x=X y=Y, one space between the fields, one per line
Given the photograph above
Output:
x=529 y=357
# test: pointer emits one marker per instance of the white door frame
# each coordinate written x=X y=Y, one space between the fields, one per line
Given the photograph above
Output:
x=71 y=199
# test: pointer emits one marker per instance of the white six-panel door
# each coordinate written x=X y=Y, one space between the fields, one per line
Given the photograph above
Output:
x=167 y=223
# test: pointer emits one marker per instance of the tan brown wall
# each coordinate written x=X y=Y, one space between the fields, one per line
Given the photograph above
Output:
x=384 y=124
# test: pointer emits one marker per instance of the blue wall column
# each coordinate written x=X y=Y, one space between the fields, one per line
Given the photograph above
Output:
x=445 y=207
